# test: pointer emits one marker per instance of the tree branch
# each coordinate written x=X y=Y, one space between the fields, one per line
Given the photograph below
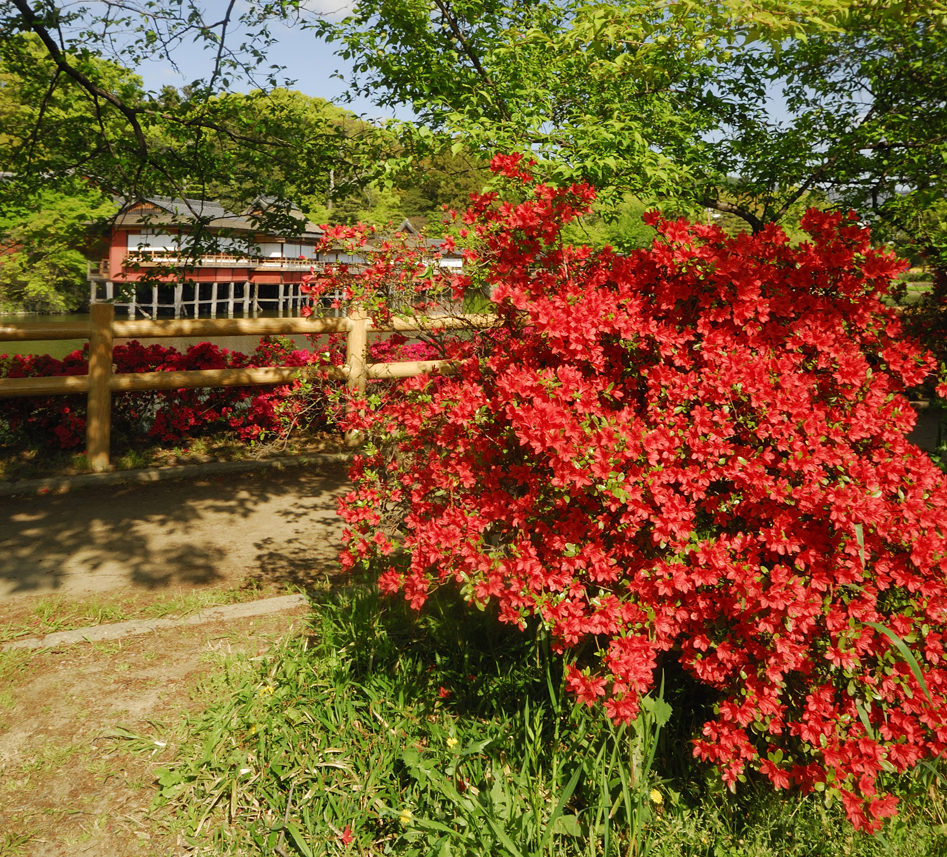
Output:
x=220 y=49
x=470 y=53
x=756 y=223
x=33 y=137
x=818 y=173
x=96 y=91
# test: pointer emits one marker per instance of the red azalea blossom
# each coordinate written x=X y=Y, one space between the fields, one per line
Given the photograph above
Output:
x=586 y=688
x=696 y=452
x=177 y=416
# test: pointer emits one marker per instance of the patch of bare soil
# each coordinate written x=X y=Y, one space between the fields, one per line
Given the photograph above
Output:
x=83 y=729
x=19 y=462
x=258 y=528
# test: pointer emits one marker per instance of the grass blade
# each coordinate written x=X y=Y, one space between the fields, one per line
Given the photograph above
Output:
x=906 y=653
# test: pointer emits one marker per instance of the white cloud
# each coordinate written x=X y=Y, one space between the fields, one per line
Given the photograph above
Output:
x=334 y=10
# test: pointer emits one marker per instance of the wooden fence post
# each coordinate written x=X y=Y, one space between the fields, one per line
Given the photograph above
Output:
x=99 y=412
x=356 y=349
x=356 y=356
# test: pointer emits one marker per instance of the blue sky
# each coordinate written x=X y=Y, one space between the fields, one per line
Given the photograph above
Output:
x=307 y=60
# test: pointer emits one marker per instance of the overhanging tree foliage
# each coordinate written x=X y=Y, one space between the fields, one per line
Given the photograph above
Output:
x=866 y=126
x=674 y=102
x=73 y=106
x=42 y=265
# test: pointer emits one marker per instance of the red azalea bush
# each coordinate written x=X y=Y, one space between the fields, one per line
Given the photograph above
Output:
x=402 y=276
x=174 y=416
x=695 y=451
x=170 y=416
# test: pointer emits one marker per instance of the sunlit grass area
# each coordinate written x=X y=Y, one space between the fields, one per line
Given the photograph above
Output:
x=443 y=733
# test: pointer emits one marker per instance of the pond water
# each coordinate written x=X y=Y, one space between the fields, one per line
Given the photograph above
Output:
x=59 y=348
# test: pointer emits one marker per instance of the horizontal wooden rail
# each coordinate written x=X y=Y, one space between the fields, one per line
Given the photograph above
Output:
x=228 y=327
x=30 y=330
x=195 y=378
x=256 y=376
x=102 y=330
x=410 y=369
x=419 y=325
x=60 y=385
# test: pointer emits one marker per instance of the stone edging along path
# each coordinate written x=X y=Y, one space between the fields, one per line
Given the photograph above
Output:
x=98 y=633
x=160 y=474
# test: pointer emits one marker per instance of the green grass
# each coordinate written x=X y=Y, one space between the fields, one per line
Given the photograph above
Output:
x=13 y=844
x=54 y=613
x=914 y=290
x=446 y=734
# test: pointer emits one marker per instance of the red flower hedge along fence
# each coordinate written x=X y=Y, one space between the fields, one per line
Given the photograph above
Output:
x=175 y=417
x=694 y=451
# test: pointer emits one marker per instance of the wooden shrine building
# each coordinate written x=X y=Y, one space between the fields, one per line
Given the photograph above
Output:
x=148 y=268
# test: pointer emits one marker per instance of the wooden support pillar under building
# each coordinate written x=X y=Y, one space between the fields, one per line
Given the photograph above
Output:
x=233 y=286
x=154 y=301
x=178 y=296
x=213 y=299
x=132 y=302
x=282 y=297
x=246 y=298
x=109 y=290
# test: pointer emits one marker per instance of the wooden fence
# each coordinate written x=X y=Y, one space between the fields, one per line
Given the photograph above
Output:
x=103 y=329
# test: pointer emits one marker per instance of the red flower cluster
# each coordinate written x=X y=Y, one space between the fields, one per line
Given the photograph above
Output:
x=170 y=416
x=697 y=448
x=397 y=274
x=173 y=416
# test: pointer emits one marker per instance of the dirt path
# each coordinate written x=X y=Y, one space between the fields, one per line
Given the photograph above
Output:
x=83 y=727
x=83 y=730
x=266 y=527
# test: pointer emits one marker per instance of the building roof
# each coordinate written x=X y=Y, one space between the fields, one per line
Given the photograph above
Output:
x=165 y=211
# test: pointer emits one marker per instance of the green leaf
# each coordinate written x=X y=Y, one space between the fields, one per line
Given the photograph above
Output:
x=863 y=716
x=567 y=825
x=860 y=538
x=659 y=709
x=503 y=837
x=168 y=777
x=557 y=820
x=906 y=653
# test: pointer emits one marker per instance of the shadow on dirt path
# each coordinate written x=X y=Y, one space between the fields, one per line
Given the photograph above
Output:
x=267 y=527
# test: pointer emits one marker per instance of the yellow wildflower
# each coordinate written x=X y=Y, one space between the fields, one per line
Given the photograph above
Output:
x=656 y=797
